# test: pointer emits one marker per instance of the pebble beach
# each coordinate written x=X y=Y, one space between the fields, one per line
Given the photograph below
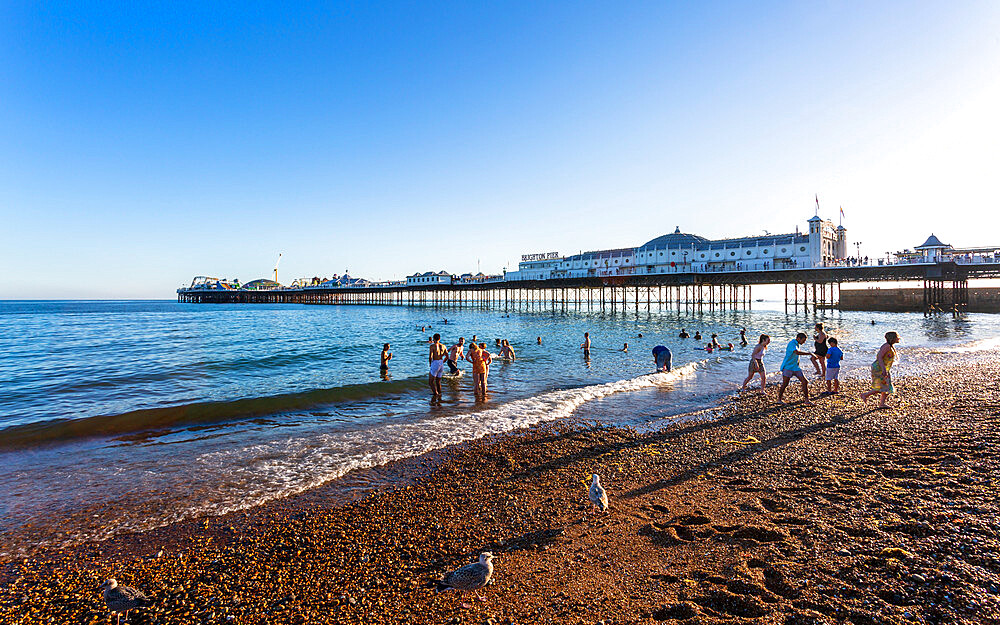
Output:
x=747 y=513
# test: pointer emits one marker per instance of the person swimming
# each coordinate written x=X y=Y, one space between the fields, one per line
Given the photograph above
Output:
x=684 y=334
x=697 y=335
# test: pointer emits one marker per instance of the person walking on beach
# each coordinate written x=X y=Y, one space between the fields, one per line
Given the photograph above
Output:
x=506 y=353
x=662 y=358
x=881 y=371
x=833 y=357
x=757 y=362
x=436 y=356
x=819 y=353
x=790 y=368
x=455 y=353
x=586 y=345
x=386 y=357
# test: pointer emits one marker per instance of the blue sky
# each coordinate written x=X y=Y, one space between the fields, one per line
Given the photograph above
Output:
x=143 y=144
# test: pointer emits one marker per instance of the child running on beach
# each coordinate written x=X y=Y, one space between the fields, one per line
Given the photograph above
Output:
x=881 y=376
x=833 y=357
x=790 y=368
x=757 y=362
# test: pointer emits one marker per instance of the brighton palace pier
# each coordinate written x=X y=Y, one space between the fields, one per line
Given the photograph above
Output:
x=676 y=270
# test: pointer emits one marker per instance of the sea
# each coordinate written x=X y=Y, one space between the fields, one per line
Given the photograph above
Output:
x=121 y=416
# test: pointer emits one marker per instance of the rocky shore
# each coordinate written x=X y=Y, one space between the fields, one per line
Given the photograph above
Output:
x=837 y=513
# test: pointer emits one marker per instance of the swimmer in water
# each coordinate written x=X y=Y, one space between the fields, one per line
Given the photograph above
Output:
x=506 y=353
x=684 y=334
x=585 y=346
x=625 y=349
x=697 y=335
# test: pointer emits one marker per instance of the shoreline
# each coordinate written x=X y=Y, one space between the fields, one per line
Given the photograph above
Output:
x=778 y=514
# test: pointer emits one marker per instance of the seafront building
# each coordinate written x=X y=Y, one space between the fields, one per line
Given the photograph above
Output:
x=823 y=245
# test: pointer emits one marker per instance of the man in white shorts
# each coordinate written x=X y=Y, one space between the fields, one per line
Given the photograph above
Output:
x=437 y=356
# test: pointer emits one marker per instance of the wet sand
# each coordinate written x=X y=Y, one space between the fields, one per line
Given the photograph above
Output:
x=837 y=513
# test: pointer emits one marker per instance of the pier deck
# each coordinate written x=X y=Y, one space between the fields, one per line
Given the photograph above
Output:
x=945 y=286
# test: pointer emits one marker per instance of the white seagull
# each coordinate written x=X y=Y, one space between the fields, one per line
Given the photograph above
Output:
x=470 y=577
x=597 y=495
x=122 y=598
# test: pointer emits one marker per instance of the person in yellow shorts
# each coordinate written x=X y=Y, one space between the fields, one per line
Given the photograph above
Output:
x=882 y=371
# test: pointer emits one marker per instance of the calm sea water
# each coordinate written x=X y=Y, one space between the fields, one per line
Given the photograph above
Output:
x=120 y=416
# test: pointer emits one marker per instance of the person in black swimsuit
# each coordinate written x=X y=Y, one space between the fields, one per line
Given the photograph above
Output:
x=683 y=334
x=819 y=357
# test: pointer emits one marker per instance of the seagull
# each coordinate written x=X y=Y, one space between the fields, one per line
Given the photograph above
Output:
x=122 y=598
x=597 y=495
x=469 y=577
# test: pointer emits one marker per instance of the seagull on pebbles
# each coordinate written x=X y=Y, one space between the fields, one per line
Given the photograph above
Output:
x=597 y=495
x=470 y=577
x=122 y=598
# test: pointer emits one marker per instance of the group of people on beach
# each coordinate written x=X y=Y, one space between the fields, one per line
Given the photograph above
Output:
x=826 y=357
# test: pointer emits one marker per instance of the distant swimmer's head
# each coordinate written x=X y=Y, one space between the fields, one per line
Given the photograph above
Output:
x=801 y=337
x=891 y=338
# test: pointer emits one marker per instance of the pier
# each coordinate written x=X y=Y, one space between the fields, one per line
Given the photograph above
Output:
x=945 y=290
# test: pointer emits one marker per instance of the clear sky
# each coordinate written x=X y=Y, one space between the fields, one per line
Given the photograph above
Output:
x=144 y=143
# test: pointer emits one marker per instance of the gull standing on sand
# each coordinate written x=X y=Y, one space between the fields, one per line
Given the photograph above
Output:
x=597 y=495
x=470 y=577
x=122 y=598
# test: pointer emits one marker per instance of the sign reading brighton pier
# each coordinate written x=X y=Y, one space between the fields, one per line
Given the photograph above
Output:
x=545 y=256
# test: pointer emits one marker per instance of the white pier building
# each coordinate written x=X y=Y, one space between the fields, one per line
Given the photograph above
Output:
x=824 y=245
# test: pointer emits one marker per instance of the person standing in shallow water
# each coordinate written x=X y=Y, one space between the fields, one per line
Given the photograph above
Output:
x=586 y=345
x=386 y=357
x=436 y=355
x=881 y=371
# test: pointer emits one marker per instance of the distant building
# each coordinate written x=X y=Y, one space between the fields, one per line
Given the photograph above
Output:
x=934 y=251
x=430 y=277
x=678 y=252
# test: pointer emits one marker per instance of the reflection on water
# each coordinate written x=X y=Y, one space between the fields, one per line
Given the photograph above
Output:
x=154 y=411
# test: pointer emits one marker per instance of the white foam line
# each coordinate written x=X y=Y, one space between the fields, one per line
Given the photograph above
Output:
x=256 y=474
x=298 y=464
